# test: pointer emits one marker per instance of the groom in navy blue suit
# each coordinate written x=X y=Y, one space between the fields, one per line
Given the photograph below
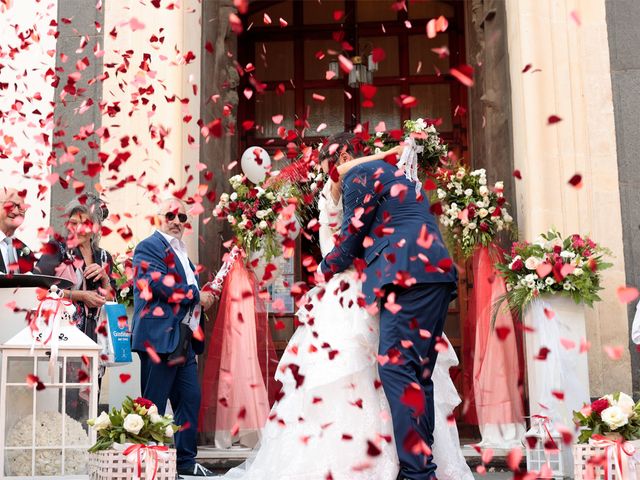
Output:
x=389 y=227
x=167 y=304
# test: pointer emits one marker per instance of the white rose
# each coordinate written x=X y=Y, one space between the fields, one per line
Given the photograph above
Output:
x=532 y=263
x=168 y=432
x=614 y=417
x=578 y=271
x=482 y=181
x=133 y=423
x=153 y=410
x=102 y=421
x=260 y=193
x=460 y=174
x=224 y=198
x=378 y=134
x=230 y=218
x=483 y=212
x=499 y=185
x=484 y=191
x=234 y=196
x=155 y=418
x=313 y=186
x=468 y=192
x=263 y=225
x=270 y=196
x=506 y=217
x=625 y=403
x=441 y=194
x=472 y=226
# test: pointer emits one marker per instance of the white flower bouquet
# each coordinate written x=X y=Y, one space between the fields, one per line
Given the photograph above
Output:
x=137 y=422
x=267 y=217
x=471 y=212
x=433 y=151
x=616 y=414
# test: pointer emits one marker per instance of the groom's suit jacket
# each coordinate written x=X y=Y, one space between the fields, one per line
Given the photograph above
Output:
x=382 y=224
x=158 y=309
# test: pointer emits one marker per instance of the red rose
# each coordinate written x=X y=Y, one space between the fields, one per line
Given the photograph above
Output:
x=484 y=227
x=143 y=402
x=517 y=265
x=599 y=405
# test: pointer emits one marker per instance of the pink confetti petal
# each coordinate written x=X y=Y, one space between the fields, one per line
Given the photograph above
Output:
x=627 y=294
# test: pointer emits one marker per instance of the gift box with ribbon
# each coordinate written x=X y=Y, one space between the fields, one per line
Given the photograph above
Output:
x=133 y=461
x=607 y=458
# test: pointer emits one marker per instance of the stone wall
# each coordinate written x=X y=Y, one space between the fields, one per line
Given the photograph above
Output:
x=623 y=18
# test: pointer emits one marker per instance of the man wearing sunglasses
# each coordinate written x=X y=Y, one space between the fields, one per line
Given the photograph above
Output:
x=15 y=256
x=167 y=312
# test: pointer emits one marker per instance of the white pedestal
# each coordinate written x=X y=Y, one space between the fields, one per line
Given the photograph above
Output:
x=565 y=372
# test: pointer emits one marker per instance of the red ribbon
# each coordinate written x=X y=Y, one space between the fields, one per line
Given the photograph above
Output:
x=151 y=455
x=58 y=301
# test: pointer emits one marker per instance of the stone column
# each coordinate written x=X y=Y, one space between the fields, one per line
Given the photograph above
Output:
x=76 y=102
x=569 y=77
x=151 y=108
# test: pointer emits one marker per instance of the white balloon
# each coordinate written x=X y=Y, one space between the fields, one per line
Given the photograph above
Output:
x=255 y=163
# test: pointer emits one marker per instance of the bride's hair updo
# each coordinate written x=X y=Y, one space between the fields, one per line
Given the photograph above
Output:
x=346 y=141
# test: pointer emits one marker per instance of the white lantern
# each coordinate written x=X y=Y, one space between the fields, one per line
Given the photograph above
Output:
x=48 y=391
x=555 y=462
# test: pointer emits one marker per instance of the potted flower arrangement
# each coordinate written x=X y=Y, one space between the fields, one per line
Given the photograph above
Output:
x=266 y=217
x=548 y=284
x=473 y=212
x=610 y=431
x=122 y=273
x=131 y=437
x=569 y=266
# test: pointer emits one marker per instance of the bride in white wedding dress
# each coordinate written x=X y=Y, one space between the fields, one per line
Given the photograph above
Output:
x=333 y=420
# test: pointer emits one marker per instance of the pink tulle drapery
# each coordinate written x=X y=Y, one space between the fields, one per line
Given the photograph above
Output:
x=496 y=369
x=238 y=386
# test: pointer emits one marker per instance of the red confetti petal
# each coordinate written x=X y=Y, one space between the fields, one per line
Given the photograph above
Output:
x=464 y=74
x=576 y=181
x=413 y=397
x=553 y=119
x=125 y=377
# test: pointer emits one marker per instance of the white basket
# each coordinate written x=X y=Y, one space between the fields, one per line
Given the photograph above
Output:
x=112 y=465
x=583 y=452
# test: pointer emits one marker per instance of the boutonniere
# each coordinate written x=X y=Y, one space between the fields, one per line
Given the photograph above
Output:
x=25 y=252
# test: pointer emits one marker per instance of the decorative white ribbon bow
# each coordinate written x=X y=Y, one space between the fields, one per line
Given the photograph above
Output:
x=409 y=161
x=614 y=450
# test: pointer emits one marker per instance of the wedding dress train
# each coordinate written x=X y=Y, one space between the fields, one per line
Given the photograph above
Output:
x=333 y=419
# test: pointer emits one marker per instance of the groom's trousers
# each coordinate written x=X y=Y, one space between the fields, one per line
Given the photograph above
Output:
x=412 y=357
